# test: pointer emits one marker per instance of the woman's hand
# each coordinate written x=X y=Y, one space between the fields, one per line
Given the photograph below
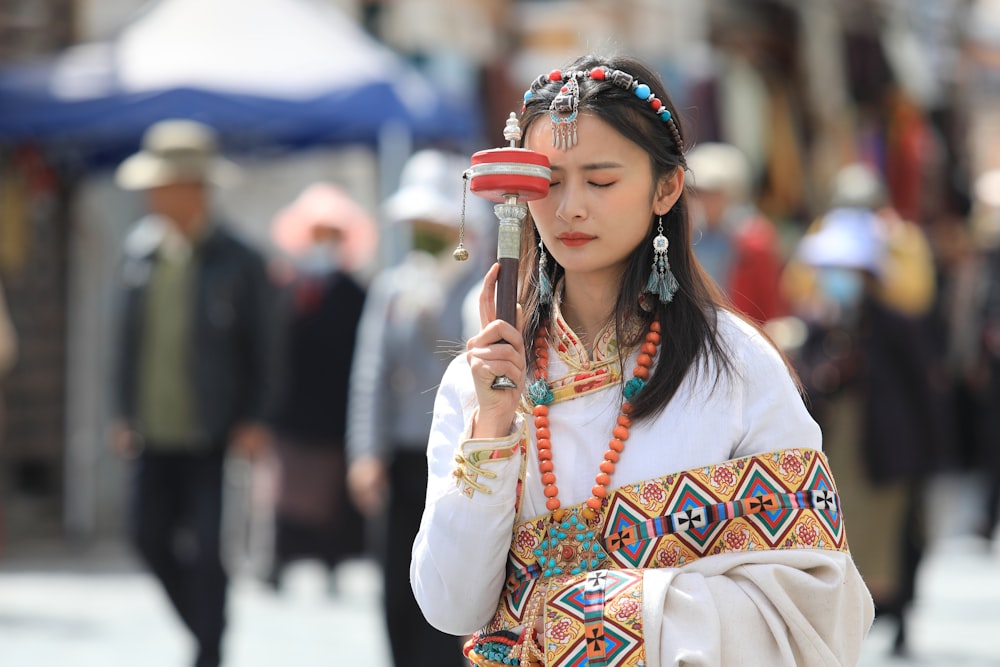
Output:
x=498 y=349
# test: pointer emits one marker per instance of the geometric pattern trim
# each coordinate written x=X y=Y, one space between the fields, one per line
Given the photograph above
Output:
x=785 y=499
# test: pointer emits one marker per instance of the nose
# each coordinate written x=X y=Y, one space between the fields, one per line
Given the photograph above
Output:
x=572 y=205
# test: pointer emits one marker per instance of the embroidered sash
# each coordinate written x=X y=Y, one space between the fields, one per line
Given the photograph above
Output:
x=591 y=579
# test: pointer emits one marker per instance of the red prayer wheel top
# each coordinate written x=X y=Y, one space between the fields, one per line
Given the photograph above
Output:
x=499 y=173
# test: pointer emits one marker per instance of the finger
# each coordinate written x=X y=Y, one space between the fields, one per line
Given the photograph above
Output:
x=487 y=297
x=495 y=332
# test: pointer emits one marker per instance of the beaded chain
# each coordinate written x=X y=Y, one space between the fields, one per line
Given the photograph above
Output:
x=541 y=394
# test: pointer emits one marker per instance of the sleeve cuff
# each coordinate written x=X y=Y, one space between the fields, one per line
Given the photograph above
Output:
x=477 y=459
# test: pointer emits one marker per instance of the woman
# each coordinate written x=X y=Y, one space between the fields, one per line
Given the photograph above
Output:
x=655 y=494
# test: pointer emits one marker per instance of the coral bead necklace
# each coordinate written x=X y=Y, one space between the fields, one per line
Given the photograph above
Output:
x=541 y=395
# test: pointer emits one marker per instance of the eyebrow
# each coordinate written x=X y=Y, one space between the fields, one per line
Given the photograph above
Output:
x=593 y=166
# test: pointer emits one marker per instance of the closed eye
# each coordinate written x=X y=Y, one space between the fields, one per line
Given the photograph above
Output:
x=602 y=185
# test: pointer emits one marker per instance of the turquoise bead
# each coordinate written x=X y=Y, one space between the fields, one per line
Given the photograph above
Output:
x=642 y=91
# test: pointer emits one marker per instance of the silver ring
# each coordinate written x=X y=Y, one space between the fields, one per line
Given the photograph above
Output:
x=503 y=382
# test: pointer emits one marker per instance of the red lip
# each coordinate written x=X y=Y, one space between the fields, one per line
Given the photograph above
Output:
x=574 y=239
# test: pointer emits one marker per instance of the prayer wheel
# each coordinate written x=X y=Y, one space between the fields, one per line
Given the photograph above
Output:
x=510 y=177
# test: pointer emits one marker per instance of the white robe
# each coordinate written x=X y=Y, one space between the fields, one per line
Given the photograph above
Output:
x=795 y=607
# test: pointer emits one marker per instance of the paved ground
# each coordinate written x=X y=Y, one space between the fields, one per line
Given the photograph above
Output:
x=96 y=608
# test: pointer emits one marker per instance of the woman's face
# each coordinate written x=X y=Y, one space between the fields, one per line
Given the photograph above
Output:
x=601 y=200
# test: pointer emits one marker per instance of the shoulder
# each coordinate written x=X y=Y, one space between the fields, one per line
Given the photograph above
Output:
x=747 y=345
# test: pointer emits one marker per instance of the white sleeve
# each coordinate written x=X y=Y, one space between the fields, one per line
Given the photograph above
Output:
x=779 y=608
x=460 y=553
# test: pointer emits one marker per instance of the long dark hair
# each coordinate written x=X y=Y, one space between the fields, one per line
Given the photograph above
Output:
x=689 y=322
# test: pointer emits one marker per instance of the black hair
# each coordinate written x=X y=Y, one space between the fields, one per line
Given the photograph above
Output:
x=690 y=336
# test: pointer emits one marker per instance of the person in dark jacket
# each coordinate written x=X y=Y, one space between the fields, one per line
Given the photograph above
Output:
x=328 y=238
x=194 y=371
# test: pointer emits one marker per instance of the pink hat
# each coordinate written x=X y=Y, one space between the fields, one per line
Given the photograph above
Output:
x=323 y=204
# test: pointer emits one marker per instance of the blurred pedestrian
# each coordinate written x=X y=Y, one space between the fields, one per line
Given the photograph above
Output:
x=984 y=316
x=195 y=368
x=8 y=355
x=8 y=349
x=868 y=365
x=328 y=238
x=736 y=243
x=411 y=328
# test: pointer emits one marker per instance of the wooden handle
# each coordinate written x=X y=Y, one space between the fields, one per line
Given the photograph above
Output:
x=507 y=290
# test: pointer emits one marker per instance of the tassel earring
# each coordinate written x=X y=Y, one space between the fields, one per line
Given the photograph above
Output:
x=544 y=284
x=662 y=282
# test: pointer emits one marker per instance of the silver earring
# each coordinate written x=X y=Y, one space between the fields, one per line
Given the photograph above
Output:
x=544 y=284
x=662 y=282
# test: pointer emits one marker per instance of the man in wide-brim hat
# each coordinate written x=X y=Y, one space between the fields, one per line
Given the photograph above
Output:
x=194 y=366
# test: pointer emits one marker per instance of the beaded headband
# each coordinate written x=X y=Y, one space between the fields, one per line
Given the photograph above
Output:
x=564 y=107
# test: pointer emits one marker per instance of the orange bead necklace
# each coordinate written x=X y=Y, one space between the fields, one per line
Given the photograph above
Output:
x=541 y=394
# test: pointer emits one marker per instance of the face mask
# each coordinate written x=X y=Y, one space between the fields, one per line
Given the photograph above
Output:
x=430 y=242
x=320 y=258
x=843 y=287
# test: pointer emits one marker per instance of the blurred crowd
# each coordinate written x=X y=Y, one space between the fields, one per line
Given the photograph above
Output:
x=848 y=197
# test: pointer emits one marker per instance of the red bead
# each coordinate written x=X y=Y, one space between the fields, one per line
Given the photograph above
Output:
x=597 y=74
x=656 y=104
x=545 y=466
x=555 y=75
x=641 y=372
x=611 y=455
x=540 y=410
x=644 y=360
x=653 y=338
x=551 y=491
x=541 y=421
x=544 y=454
x=603 y=478
x=620 y=432
x=606 y=466
x=543 y=434
x=616 y=445
x=625 y=420
x=544 y=444
x=654 y=326
x=599 y=491
x=552 y=504
x=594 y=503
x=548 y=478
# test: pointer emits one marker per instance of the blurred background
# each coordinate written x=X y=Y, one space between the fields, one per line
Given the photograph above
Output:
x=345 y=91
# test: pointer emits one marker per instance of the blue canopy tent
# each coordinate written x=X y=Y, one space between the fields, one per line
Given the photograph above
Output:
x=264 y=73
